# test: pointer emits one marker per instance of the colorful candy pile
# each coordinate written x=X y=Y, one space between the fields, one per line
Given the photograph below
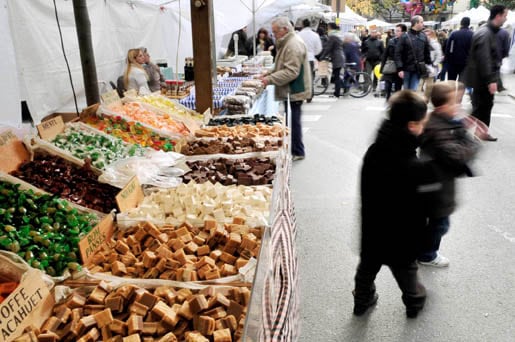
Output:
x=102 y=150
x=42 y=229
x=169 y=106
x=131 y=132
x=135 y=111
x=61 y=177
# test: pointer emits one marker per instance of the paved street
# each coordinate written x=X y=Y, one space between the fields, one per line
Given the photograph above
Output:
x=472 y=300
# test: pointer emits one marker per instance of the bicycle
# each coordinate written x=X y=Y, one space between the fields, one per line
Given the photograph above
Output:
x=358 y=82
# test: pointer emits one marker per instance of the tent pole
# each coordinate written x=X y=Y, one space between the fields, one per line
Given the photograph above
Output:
x=87 y=57
x=254 y=27
x=201 y=15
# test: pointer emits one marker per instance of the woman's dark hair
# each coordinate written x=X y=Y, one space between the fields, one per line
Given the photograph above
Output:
x=406 y=106
x=263 y=30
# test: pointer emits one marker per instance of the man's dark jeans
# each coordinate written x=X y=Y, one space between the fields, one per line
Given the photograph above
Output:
x=482 y=104
x=297 y=146
x=432 y=236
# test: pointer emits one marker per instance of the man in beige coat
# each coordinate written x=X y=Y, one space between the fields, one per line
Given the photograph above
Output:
x=291 y=76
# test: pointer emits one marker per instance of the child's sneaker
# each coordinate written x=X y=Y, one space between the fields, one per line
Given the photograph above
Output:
x=439 y=261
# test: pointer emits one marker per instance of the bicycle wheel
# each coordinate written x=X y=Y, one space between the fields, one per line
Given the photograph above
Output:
x=360 y=85
x=320 y=85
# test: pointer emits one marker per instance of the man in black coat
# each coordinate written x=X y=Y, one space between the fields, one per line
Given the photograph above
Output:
x=333 y=49
x=457 y=50
x=483 y=67
x=413 y=48
x=391 y=211
x=372 y=50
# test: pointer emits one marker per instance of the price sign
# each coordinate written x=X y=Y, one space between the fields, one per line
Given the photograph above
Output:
x=96 y=238
x=28 y=304
x=50 y=128
x=130 y=196
x=110 y=97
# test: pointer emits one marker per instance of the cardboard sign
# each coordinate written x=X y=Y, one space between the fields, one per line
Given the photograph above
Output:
x=6 y=137
x=96 y=238
x=130 y=196
x=50 y=128
x=12 y=152
x=27 y=305
x=110 y=97
x=207 y=116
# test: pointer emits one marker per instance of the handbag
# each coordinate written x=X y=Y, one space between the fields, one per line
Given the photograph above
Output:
x=389 y=67
x=420 y=67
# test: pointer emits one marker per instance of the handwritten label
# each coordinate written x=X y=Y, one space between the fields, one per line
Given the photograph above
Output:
x=50 y=128
x=96 y=238
x=130 y=196
x=16 y=309
x=110 y=97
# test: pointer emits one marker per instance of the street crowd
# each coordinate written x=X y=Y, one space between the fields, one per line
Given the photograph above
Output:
x=408 y=173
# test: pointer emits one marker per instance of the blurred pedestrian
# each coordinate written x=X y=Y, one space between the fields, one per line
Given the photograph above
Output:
x=426 y=83
x=442 y=39
x=412 y=53
x=503 y=50
x=352 y=58
x=390 y=229
x=457 y=50
x=446 y=141
x=334 y=50
x=372 y=50
x=291 y=77
x=483 y=68
x=391 y=78
x=314 y=46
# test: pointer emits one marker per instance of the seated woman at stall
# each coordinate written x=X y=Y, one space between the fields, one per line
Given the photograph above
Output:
x=135 y=76
x=263 y=43
x=156 y=80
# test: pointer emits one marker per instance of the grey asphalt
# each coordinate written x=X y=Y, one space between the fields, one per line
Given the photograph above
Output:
x=472 y=300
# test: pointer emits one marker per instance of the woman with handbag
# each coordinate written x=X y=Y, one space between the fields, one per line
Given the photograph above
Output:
x=391 y=79
x=426 y=84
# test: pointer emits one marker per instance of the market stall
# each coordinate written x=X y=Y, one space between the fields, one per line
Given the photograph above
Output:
x=160 y=222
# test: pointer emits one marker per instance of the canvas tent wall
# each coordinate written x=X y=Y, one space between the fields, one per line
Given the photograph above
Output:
x=476 y=15
x=348 y=19
x=35 y=59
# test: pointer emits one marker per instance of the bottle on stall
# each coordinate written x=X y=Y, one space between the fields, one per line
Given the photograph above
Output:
x=188 y=69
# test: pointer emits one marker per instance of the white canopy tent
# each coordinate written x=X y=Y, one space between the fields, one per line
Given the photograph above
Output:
x=34 y=68
x=379 y=23
x=348 y=19
x=476 y=15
